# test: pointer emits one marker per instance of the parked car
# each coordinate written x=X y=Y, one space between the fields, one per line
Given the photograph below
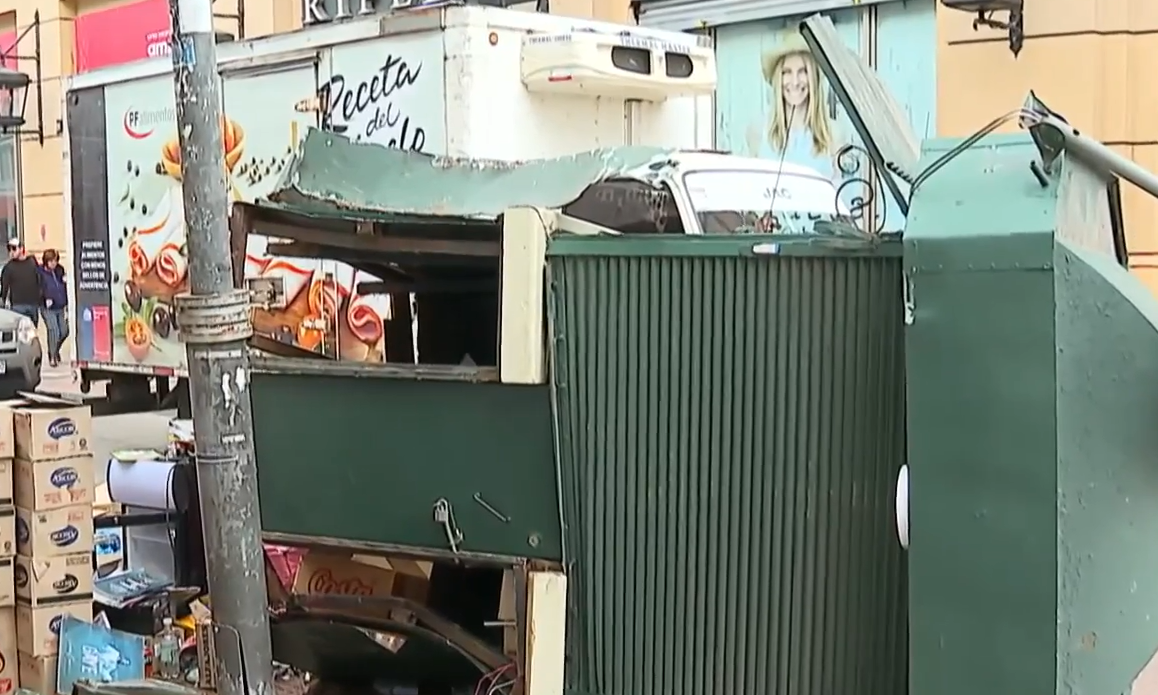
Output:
x=20 y=354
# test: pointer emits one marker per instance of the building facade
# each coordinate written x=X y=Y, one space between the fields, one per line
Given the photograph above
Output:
x=772 y=100
x=1089 y=60
x=1085 y=58
x=1080 y=56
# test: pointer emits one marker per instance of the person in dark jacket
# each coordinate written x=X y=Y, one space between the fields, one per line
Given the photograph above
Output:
x=55 y=307
x=21 y=286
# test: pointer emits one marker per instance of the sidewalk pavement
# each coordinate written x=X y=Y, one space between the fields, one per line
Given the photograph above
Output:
x=58 y=379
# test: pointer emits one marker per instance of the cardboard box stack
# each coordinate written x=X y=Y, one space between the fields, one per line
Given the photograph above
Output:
x=54 y=479
x=9 y=676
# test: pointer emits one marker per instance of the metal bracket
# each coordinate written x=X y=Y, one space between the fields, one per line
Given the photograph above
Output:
x=215 y=319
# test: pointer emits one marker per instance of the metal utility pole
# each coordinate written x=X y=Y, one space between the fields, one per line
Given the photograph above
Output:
x=213 y=320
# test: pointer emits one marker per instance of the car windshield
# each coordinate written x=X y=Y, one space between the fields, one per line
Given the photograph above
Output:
x=761 y=202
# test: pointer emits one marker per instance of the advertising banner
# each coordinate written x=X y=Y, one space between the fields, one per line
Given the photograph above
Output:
x=88 y=170
x=122 y=34
x=146 y=223
x=387 y=91
x=774 y=102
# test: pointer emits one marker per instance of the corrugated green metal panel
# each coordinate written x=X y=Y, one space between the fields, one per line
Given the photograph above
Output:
x=730 y=432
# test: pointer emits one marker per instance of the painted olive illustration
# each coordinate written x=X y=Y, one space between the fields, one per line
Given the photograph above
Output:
x=133 y=295
x=162 y=321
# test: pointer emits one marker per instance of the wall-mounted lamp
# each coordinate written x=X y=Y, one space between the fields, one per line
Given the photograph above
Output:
x=15 y=85
x=13 y=97
x=985 y=10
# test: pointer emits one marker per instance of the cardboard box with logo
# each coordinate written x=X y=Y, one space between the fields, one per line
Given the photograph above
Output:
x=108 y=543
x=56 y=532
x=49 y=428
x=38 y=673
x=7 y=475
x=7 y=531
x=7 y=582
x=38 y=627
x=363 y=575
x=44 y=485
x=9 y=667
x=7 y=429
x=335 y=573
x=206 y=638
x=45 y=580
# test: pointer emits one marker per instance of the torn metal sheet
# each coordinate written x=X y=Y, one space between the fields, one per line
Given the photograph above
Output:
x=331 y=176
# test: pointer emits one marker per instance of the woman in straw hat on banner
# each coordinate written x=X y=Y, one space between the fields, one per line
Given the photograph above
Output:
x=799 y=129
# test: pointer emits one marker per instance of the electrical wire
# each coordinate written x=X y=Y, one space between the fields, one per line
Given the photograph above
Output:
x=780 y=168
x=1026 y=117
x=497 y=687
x=492 y=677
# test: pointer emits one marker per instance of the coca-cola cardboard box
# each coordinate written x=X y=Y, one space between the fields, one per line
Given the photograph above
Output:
x=332 y=573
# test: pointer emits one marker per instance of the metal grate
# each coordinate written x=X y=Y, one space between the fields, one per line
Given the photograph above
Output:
x=731 y=428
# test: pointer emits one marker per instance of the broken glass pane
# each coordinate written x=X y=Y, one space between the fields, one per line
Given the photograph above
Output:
x=882 y=124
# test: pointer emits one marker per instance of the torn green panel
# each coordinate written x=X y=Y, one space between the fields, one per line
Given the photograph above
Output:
x=332 y=176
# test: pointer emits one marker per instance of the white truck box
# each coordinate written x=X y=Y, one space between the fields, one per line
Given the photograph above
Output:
x=463 y=81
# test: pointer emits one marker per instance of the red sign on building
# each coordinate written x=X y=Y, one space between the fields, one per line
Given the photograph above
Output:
x=122 y=34
x=8 y=50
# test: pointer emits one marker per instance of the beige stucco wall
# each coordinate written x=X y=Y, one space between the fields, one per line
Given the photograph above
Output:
x=1090 y=60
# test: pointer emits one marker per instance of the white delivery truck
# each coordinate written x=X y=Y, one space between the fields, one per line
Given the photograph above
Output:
x=474 y=82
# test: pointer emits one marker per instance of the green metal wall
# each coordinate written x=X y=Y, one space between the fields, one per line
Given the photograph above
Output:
x=354 y=452
x=730 y=431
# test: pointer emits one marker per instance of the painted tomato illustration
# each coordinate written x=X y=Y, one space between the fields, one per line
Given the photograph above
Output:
x=138 y=337
x=309 y=338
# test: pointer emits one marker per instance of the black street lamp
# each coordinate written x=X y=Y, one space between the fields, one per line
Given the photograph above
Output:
x=15 y=85
x=985 y=9
x=13 y=97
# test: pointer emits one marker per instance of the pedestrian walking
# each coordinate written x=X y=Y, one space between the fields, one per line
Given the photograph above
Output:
x=21 y=284
x=55 y=307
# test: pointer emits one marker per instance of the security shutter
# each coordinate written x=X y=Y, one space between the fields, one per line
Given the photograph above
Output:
x=681 y=15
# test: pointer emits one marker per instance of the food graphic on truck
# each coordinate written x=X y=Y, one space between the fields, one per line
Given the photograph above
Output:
x=266 y=115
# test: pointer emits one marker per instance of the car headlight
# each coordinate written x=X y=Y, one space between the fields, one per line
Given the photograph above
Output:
x=25 y=330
